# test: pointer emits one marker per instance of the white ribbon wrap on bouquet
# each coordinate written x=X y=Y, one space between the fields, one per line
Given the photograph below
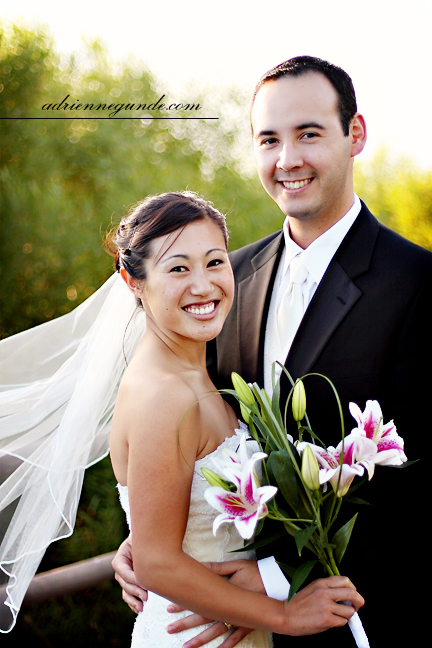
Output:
x=358 y=631
x=58 y=388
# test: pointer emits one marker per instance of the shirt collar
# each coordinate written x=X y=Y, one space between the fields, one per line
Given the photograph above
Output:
x=317 y=256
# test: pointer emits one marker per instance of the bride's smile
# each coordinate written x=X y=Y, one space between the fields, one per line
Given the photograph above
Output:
x=202 y=310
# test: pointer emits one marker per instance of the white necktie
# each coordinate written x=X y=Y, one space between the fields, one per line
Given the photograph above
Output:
x=291 y=309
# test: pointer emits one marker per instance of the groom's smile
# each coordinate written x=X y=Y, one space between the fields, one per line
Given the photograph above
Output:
x=296 y=184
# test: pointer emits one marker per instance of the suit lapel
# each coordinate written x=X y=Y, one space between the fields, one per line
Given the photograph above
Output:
x=333 y=300
x=254 y=294
x=336 y=294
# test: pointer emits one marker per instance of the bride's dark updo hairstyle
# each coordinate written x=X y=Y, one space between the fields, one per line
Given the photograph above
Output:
x=157 y=216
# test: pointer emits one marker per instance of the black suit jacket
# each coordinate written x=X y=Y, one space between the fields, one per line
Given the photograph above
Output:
x=368 y=329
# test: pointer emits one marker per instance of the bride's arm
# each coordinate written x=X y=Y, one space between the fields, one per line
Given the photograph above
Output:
x=159 y=481
x=160 y=471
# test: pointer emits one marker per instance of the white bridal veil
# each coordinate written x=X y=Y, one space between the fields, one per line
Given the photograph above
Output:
x=58 y=387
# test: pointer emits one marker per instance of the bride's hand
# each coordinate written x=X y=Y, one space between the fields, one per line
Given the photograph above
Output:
x=122 y=564
x=321 y=605
x=243 y=573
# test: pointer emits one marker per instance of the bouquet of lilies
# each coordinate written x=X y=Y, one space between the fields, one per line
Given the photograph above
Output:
x=312 y=479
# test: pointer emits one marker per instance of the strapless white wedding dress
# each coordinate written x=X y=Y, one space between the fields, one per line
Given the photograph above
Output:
x=200 y=543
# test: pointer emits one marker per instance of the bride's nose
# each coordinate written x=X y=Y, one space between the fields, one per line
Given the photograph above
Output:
x=201 y=284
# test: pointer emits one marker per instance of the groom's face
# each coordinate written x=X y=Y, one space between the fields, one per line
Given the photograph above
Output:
x=303 y=158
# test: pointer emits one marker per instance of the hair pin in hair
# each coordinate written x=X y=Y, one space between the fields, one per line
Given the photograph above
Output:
x=128 y=250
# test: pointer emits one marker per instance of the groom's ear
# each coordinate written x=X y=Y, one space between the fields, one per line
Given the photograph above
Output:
x=358 y=134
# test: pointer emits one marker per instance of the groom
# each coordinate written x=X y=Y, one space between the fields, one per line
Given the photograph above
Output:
x=366 y=298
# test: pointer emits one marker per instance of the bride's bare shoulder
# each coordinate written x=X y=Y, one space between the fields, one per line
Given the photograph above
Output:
x=149 y=403
x=149 y=387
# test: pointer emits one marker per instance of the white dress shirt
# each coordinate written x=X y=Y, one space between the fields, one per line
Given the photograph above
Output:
x=316 y=258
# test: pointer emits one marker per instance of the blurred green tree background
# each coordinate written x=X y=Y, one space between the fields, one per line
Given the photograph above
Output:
x=64 y=182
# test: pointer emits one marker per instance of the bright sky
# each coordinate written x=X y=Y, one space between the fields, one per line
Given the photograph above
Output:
x=385 y=46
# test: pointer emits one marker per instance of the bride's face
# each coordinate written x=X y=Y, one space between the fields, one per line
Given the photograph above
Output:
x=189 y=286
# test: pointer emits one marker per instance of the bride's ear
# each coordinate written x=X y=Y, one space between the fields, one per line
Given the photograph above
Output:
x=131 y=282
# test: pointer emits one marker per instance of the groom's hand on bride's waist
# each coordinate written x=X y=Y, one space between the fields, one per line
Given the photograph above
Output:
x=132 y=593
x=243 y=573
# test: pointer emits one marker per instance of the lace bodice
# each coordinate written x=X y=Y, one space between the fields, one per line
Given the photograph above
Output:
x=200 y=543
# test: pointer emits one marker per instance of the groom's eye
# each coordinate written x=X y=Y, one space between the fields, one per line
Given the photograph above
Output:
x=308 y=136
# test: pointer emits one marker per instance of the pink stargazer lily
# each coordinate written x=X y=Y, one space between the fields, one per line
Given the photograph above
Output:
x=248 y=504
x=358 y=454
x=390 y=446
x=368 y=445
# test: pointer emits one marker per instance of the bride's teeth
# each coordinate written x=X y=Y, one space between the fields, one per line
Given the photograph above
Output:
x=201 y=310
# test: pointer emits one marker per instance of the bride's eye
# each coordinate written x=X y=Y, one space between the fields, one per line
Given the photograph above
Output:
x=214 y=262
x=178 y=269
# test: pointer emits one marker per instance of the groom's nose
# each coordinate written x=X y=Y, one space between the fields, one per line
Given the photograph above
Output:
x=289 y=157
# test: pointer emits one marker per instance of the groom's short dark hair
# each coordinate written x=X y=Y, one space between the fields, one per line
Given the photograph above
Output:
x=340 y=80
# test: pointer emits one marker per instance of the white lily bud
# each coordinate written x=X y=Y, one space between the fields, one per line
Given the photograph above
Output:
x=245 y=413
x=215 y=480
x=243 y=390
x=299 y=401
x=310 y=469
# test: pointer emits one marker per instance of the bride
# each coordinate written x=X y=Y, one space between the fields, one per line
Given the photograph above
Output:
x=59 y=385
x=169 y=422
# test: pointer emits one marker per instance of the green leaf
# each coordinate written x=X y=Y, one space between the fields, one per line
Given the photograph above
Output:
x=300 y=575
x=406 y=464
x=265 y=433
x=308 y=429
x=266 y=410
x=355 y=487
x=289 y=529
x=302 y=537
x=275 y=403
x=327 y=509
x=357 y=500
x=259 y=527
x=253 y=430
x=289 y=571
x=281 y=467
x=341 y=539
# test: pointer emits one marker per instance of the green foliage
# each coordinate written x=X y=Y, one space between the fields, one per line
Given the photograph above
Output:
x=399 y=194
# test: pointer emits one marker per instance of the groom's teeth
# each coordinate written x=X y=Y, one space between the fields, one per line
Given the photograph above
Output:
x=297 y=184
x=201 y=310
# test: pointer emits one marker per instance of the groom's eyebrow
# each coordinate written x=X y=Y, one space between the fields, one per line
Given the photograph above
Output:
x=299 y=127
x=265 y=133
x=311 y=124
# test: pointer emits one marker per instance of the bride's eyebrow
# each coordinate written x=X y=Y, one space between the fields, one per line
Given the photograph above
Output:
x=185 y=256
x=173 y=256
